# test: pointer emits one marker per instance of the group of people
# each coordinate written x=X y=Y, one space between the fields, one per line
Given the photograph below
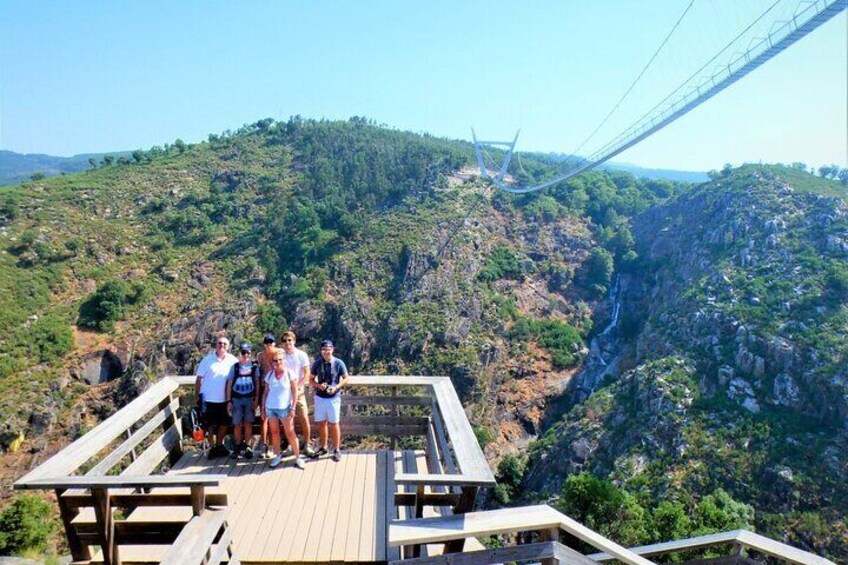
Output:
x=230 y=390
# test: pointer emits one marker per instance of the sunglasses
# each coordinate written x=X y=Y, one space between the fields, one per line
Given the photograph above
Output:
x=245 y=352
x=278 y=360
x=224 y=343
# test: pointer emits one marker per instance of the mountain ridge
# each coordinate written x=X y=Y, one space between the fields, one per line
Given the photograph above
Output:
x=388 y=242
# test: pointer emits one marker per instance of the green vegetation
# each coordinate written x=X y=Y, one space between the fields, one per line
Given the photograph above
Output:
x=26 y=524
x=620 y=515
x=501 y=263
x=562 y=340
x=109 y=304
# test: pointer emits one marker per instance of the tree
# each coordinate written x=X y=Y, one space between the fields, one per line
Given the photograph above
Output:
x=605 y=508
x=138 y=155
x=843 y=176
x=180 y=145
x=92 y=162
x=799 y=166
x=25 y=524
x=108 y=160
x=37 y=176
x=599 y=268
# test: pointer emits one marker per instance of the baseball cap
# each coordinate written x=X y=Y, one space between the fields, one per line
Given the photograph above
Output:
x=327 y=343
x=245 y=347
x=269 y=338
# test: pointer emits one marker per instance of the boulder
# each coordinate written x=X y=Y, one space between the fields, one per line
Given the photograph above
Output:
x=101 y=367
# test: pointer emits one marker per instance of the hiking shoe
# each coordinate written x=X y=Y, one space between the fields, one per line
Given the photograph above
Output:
x=276 y=461
x=247 y=453
x=317 y=454
x=300 y=462
x=337 y=455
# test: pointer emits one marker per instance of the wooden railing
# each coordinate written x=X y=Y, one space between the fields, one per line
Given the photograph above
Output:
x=549 y=525
x=740 y=540
x=110 y=467
x=103 y=472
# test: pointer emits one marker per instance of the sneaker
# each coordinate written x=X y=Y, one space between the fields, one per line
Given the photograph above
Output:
x=267 y=453
x=337 y=455
x=317 y=454
x=309 y=452
x=248 y=453
x=300 y=462
x=276 y=461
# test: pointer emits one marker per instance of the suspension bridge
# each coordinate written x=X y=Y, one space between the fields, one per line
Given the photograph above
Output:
x=697 y=89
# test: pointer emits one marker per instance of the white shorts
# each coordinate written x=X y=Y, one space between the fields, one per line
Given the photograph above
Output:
x=328 y=409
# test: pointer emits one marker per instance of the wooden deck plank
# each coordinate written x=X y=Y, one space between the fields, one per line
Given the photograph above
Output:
x=294 y=480
x=322 y=471
x=316 y=532
x=343 y=520
x=294 y=528
x=262 y=503
x=367 y=535
x=352 y=541
x=322 y=537
x=380 y=539
x=391 y=510
x=256 y=507
x=236 y=484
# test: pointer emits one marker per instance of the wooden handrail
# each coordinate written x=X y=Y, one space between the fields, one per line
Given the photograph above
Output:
x=73 y=456
x=506 y=520
x=121 y=481
x=471 y=467
x=744 y=538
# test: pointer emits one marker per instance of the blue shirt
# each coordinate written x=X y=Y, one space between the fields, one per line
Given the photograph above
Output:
x=329 y=373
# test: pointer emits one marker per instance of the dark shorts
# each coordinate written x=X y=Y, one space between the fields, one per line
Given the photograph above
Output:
x=243 y=411
x=215 y=414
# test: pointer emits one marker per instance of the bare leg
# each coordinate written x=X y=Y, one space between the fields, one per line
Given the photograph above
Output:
x=288 y=427
x=274 y=425
x=322 y=433
x=336 y=432
x=222 y=432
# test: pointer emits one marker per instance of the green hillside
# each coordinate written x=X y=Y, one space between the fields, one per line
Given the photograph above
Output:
x=389 y=243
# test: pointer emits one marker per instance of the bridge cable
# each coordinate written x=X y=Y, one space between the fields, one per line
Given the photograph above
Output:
x=633 y=84
x=708 y=63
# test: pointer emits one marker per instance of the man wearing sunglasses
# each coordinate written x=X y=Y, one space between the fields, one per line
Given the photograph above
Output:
x=210 y=389
x=297 y=362
x=243 y=400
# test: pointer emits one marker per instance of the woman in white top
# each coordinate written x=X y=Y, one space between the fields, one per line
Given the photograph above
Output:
x=278 y=402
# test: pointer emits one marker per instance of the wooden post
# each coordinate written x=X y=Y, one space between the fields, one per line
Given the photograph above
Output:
x=129 y=434
x=549 y=535
x=80 y=552
x=106 y=526
x=175 y=453
x=198 y=500
x=465 y=504
x=394 y=414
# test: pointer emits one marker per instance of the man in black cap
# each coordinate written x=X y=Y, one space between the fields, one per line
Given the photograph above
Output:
x=329 y=375
x=243 y=400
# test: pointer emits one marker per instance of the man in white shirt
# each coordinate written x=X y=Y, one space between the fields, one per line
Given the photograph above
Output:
x=210 y=389
x=297 y=361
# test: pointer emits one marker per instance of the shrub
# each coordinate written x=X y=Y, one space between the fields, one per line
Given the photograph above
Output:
x=25 y=525
x=109 y=304
x=50 y=339
x=503 y=262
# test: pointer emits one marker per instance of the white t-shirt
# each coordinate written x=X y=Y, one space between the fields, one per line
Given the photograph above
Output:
x=279 y=390
x=295 y=362
x=213 y=385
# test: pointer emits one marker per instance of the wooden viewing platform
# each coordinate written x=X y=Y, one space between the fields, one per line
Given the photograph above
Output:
x=129 y=491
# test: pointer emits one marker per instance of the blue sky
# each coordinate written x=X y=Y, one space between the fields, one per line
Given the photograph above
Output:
x=97 y=76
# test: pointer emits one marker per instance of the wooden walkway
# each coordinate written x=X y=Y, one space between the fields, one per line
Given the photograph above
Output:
x=331 y=512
